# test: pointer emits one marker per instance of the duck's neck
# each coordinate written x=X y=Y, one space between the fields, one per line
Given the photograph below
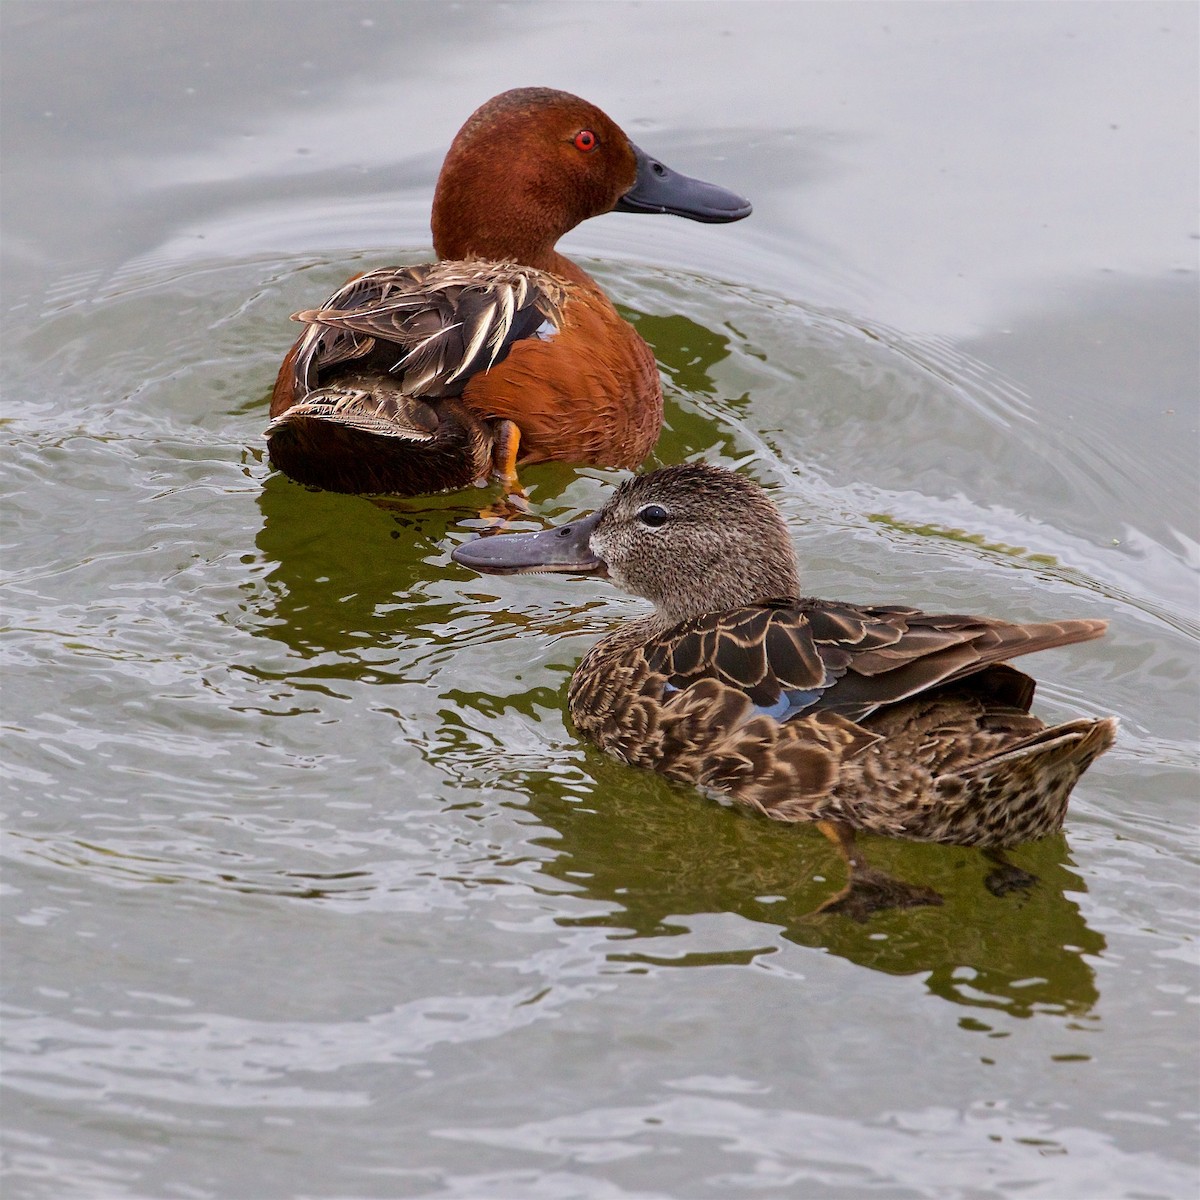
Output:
x=565 y=268
x=459 y=246
x=713 y=588
x=501 y=231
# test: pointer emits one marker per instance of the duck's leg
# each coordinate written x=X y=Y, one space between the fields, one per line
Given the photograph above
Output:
x=1007 y=877
x=868 y=890
x=504 y=459
x=508 y=446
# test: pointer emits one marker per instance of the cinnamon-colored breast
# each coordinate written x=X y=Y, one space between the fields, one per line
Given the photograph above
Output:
x=588 y=393
x=284 y=394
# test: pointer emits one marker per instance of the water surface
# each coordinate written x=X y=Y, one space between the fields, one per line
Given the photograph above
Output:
x=310 y=890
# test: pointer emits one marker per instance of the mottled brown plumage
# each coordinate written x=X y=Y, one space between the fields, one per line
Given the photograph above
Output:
x=421 y=379
x=959 y=763
x=877 y=718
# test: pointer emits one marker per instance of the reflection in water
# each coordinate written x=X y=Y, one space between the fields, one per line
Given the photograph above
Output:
x=333 y=590
x=686 y=350
x=654 y=852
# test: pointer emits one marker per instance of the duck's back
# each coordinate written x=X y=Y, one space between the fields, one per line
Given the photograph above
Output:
x=399 y=381
x=748 y=703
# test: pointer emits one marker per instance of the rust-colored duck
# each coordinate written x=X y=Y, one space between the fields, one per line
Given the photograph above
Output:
x=857 y=717
x=410 y=380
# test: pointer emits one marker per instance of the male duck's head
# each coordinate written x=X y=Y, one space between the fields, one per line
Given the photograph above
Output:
x=532 y=163
x=691 y=539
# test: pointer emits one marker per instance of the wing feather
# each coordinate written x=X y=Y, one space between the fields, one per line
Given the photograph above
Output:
x=809 y=656
x=437 y=323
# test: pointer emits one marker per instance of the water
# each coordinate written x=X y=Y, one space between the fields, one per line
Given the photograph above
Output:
x=310 y=891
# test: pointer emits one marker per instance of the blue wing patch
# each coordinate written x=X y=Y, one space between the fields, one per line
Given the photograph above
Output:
x=789 y=704
x=786 y=707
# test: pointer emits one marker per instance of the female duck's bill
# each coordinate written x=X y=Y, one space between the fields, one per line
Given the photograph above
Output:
x=565 y=549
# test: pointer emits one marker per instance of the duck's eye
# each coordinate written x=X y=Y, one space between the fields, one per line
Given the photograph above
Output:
x=586 y=141
x=653 y=515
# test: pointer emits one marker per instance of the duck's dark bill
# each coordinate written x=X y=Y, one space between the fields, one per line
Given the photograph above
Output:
x=658 y=189
x=565 y=548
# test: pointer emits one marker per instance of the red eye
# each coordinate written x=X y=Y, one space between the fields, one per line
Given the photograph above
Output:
x=586 y=141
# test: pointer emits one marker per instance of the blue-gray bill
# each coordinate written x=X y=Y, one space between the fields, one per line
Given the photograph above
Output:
x=565 y=549
x=658 y=189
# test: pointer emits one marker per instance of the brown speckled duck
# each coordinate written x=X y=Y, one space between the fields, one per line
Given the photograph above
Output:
x=856 y=717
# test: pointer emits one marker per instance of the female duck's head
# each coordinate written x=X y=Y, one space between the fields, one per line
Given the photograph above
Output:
x=691 y=539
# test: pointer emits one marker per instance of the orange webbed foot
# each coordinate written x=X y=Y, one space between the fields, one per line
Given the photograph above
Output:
x=504 y=465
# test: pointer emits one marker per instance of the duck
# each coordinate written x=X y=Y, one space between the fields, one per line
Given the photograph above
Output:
x=858 y=718
x=435 y=377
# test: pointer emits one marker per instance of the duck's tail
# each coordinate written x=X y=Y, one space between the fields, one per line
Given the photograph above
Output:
x=349 y=439
x=1021 y=793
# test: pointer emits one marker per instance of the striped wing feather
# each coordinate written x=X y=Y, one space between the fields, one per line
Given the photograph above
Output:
x=807 y=656
x=431 y=326
x=368 y=405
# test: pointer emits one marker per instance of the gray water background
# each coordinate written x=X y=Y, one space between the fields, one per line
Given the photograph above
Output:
x=310 y=891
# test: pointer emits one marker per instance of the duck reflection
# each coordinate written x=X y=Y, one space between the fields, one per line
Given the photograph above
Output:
x=346 y=573
x=652 y=853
